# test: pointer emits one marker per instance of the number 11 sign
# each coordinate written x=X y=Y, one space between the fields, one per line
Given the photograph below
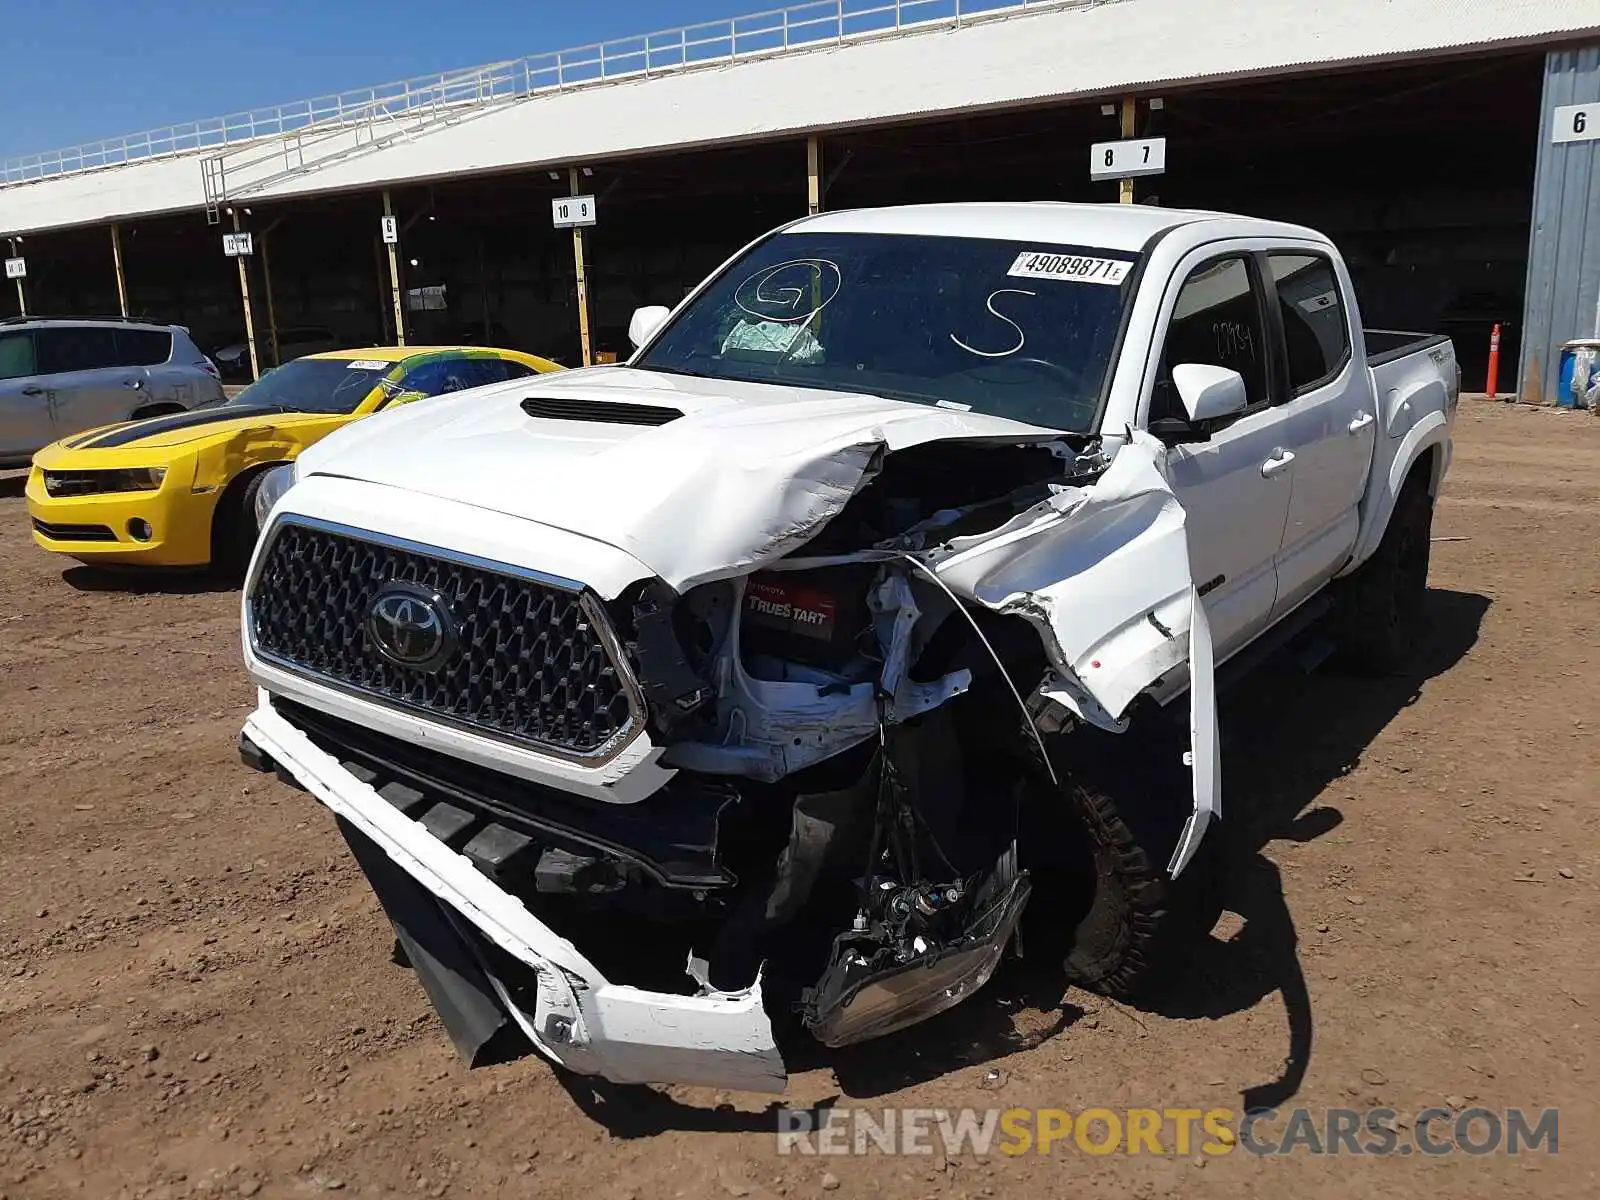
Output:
x=1127 y=160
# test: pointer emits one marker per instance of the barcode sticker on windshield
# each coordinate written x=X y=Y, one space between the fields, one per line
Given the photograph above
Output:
x=1040 y=264
x=367 y=364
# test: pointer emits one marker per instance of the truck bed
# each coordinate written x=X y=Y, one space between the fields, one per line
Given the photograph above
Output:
x=1386 y=345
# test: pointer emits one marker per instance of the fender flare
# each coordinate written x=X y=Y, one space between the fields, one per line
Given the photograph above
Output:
x=1432 y=430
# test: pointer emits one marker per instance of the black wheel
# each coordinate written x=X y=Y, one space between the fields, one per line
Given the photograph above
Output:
x=234 y=529
x=1381 y=602
x=1128 y=926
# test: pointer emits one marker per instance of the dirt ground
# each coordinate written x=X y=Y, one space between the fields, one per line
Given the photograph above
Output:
x=196 y=995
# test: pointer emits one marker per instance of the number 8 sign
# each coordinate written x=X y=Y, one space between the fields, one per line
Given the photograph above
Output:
x=1128 y=159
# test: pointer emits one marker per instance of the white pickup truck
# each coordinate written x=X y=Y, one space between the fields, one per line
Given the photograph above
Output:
x=765 y=677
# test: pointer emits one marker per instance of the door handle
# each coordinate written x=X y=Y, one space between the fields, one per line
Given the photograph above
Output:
x=135 y=384
x=33 y=391
x=1279 y=461
x=1361 y=421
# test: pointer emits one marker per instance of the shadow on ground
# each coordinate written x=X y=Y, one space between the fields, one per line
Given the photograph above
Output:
x=1287 y=736
x=135 y=581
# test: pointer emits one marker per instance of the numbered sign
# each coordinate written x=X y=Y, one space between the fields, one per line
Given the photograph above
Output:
x=1127 y=160
x=572 y=210
x=238 y=245
x=1576 y=123
x=391 y=230
x=16 y=268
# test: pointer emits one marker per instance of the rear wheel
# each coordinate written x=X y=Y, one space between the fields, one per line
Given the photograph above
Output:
x=1382 y=600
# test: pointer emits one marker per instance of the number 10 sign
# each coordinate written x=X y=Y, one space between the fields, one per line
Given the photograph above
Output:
x=572 y=210
x=1127 y=160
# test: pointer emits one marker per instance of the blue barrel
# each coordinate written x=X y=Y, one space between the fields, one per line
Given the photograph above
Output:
x=1568 y=394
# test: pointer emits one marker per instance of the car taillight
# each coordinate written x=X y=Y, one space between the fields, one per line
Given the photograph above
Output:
x=209 y=367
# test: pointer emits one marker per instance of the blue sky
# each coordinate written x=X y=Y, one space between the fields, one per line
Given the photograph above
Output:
x=80 y=70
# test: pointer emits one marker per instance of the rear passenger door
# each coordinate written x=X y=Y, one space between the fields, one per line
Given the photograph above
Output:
x=1329 y=420
x=24 y=400
x=87 y=385
x=150 y=350
x=1233 y=480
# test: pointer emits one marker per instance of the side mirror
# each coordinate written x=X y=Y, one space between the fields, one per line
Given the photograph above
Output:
x=1209 y=392
x=646 y=321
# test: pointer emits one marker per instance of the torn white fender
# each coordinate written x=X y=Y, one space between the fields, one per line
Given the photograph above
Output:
x=1205 y=757
x=1103 y=573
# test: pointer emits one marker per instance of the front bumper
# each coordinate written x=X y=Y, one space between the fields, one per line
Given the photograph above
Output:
x=96 y=528
x=574 y=1016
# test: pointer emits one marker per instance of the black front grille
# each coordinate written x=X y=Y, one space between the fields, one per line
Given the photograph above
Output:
x=74 y=533
x=529 y=663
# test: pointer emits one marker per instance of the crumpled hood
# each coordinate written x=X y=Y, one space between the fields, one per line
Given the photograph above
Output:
x=749 y=472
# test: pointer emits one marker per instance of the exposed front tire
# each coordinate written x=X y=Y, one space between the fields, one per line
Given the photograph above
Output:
x=1130 y=927
x=1381 y=602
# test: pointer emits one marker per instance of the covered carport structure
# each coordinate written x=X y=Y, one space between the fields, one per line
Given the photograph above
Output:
x=1410 y=130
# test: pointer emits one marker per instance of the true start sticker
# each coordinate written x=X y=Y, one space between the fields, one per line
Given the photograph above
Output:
x=367 y=364
x=1077 y=268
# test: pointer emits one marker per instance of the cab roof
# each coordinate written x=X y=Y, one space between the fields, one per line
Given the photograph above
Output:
x=1112 y=226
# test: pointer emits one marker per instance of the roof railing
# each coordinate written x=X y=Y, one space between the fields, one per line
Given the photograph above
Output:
x=779 y=31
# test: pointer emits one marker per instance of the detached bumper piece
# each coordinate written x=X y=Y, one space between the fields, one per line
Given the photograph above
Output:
x=505 y=825
x=500 y=978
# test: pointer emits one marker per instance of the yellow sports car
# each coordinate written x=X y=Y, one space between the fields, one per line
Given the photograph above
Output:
x=179 y=491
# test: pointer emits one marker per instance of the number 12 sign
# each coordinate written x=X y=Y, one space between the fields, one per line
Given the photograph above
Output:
x=1127 y=160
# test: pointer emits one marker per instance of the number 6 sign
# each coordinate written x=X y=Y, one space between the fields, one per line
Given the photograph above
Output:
x=1575 y=123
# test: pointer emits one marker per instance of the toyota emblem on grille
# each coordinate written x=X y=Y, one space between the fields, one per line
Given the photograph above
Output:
x=411 y=626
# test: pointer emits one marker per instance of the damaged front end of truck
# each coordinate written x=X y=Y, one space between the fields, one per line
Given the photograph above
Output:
x=857 y=682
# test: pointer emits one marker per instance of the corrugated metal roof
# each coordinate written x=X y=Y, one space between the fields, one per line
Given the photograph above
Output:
x=1135 y=45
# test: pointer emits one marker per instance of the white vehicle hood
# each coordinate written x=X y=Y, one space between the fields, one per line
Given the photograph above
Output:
x=751 y=472
x=748 y=473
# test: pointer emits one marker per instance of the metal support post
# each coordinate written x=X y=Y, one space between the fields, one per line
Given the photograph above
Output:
x=394 y=279
x=249 y=315
x=116 y=260
x=583 y=279
x=1129 y=111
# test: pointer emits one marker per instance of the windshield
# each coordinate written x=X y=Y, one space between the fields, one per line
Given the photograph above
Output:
x=320 y=385
x=1013 y=329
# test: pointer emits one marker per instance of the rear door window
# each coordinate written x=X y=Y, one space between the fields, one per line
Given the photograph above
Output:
x=16 y=355
x=1316 y=333
x=76 y=348
x=143 y=347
